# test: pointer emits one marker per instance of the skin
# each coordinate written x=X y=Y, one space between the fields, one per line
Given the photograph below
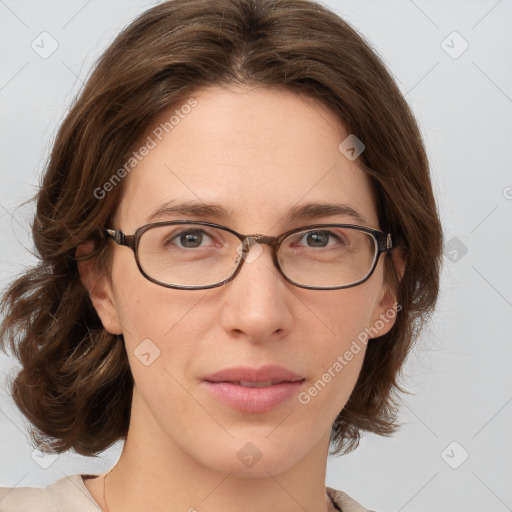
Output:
x=257 y=151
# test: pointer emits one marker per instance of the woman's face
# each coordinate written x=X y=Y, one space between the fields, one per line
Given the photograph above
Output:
x=258 y=152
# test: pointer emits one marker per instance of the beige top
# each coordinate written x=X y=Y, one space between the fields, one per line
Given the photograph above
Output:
x=69 y=494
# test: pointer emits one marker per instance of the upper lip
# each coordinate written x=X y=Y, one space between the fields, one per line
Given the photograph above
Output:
x=273 y=373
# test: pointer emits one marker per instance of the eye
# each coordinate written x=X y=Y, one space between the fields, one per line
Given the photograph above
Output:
x=188 y=239
x=321 y=238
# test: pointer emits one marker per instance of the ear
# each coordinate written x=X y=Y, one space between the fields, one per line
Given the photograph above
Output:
x=387 y=307
x=99 y=287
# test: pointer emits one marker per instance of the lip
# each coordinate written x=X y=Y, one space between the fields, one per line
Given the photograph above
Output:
x=225 y=387
x=265 y=373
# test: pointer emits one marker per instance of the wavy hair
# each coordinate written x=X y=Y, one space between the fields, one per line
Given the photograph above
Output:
x=75 y=385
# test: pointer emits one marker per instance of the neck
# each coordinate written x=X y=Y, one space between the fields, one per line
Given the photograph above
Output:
x=155 y=473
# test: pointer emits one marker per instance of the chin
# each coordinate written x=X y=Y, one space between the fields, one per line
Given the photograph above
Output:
x=252 y=457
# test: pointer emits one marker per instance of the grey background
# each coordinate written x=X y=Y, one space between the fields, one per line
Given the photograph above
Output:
x=459 y=371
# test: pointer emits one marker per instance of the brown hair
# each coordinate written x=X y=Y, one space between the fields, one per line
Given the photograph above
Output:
x=75 y=383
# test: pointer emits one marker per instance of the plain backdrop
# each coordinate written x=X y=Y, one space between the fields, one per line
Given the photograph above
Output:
x=452 y=61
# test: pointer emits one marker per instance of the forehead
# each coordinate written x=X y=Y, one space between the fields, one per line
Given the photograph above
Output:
x=257 y=152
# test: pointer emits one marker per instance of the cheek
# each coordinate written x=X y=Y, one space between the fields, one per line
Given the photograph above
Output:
x=344 y=316
x=145 y=309
x=159 y=326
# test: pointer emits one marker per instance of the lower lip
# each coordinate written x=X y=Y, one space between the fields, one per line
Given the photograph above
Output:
x=253 y=400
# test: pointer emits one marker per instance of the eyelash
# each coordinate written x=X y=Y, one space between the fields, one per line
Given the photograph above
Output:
x=331 y=235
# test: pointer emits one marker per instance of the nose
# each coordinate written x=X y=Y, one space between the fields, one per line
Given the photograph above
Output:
x=257 y=301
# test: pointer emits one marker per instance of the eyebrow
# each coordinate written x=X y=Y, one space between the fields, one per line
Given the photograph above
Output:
x=302 y=212
x=190 y=209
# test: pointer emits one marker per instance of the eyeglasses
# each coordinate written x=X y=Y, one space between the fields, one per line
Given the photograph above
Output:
x=193 y=255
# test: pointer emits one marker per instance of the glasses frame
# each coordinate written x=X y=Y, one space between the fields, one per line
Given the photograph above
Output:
x=383 y=243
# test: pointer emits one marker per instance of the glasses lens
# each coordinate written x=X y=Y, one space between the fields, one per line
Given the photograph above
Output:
x=194 y=255
x=328 y=257
x=188 y=254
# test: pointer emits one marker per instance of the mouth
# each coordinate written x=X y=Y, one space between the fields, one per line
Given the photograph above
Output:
x=253 y=390
x=251 y=384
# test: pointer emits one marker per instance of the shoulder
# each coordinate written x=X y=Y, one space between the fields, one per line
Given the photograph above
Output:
x=68 y=494
x=18 y=499
x=344 y=502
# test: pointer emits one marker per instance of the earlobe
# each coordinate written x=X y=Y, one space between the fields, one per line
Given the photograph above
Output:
x=100 y=291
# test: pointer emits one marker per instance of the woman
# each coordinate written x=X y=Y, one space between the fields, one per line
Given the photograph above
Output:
x=230 y=364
